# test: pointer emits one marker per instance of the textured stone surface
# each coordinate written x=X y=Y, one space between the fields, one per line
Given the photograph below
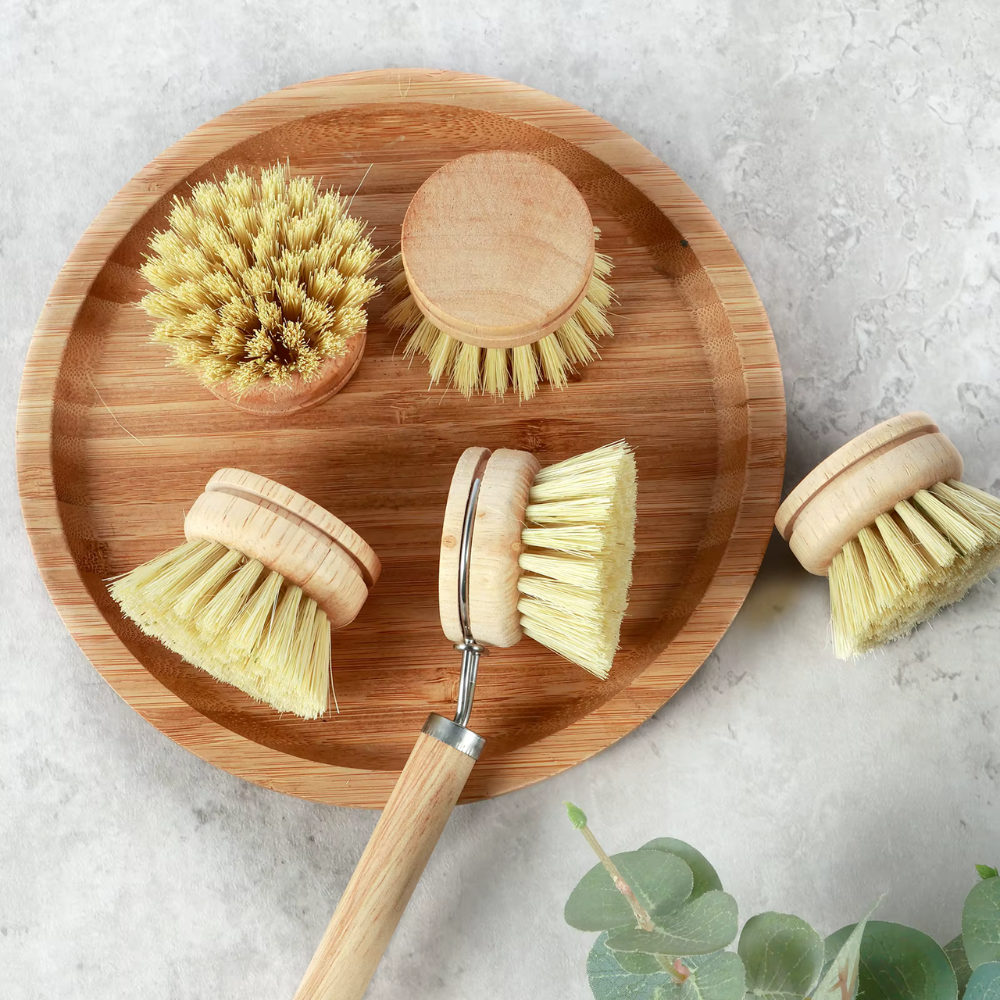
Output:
x=850 y=150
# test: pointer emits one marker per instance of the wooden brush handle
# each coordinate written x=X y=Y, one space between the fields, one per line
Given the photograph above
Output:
x=392 y=863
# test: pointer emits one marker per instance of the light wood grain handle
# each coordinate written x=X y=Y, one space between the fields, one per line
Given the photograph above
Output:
x=392 y=863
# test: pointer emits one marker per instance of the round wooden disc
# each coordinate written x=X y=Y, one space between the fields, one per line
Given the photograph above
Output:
x=269 y=400
x=294 y=507
x=868 y=444
x=308 y=559
x=114 y=446
x=498 y=248
x=862 y=479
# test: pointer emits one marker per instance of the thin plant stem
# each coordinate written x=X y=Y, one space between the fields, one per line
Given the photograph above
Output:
x=642 y=918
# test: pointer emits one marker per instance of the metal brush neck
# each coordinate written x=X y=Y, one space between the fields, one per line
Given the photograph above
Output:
x=470 y=649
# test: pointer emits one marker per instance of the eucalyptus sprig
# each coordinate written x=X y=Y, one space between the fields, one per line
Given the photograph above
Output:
x=666 y=925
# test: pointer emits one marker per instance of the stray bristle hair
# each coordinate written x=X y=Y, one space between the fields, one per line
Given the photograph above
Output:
x=237 y=621
x=258 y=279
x=493 y=371
x=577 y=567
x=921 y=556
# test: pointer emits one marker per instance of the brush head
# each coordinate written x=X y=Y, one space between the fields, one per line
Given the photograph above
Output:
x=260 y=288
x=251 y=596
x=900 y=537
x=551 y=551
x=498 y=278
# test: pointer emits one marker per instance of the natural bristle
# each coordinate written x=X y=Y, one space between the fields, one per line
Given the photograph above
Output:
x=922 y=556
x=493 y=371
x=237 y=621
x=259 y=279
x=577 y=569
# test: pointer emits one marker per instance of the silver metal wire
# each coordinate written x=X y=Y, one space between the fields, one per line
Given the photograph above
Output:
x=470 y=649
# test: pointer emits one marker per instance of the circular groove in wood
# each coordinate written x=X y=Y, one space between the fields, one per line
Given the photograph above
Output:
x=294 y=507
x=691 y=379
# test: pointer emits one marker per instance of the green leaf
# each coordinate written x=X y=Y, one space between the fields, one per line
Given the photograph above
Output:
x=898 y=963
x=609 y=981
x=576 y=815
x=713 y=977
x=981 y=923
x=718 y=976
x=783 y=956
x=842 y=953
x=661 y=883
x=984 y=983
x=704 y=925
x=705 y=878
x=985 y=871
x=955 y=951
x=637 y=962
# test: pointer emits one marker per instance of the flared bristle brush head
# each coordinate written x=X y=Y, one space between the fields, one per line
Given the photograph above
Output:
x=498 y=284
x=551 y=552
x=260 y=283
x=252 y=594
x=888 y=520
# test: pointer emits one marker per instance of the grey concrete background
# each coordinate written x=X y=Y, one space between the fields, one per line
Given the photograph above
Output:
x=849 y=147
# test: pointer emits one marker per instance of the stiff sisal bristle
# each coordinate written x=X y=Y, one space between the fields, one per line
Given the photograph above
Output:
x=236 y=620
x=258 y=279
x=495 y=370
x=577 y=569
x=914 y=560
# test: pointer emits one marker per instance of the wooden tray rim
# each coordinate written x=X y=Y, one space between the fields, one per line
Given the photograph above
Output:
x=552 y=754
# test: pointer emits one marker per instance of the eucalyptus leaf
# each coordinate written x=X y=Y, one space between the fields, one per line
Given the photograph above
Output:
x=660 y=881
x=842 y=953
x=955 y=951
x=718 y=976
x=636 y=961
x=984 y=983
x=609 y=981
x=701 y=926
x=782 y=954
x=897 y=963
x=981 y=923
x=705 y=877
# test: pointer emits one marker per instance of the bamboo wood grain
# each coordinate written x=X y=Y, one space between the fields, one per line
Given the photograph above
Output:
x=498 y=248
x=866 y=477
x=112 y=445
x=388 y=872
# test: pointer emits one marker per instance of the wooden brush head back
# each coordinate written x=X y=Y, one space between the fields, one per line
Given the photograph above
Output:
x=288 y=533
x=861 y=480
x=498 y=248
x=506 y=477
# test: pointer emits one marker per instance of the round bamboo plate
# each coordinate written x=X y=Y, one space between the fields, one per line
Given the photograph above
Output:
x=113 y=445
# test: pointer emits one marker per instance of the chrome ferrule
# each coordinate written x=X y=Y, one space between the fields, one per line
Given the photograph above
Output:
x=454 y=735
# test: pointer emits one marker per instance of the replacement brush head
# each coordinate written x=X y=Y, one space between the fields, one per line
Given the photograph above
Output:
x=551 y=551
x=498 y=279
x=900 y=537
x=260 y=287
x=252 y=594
